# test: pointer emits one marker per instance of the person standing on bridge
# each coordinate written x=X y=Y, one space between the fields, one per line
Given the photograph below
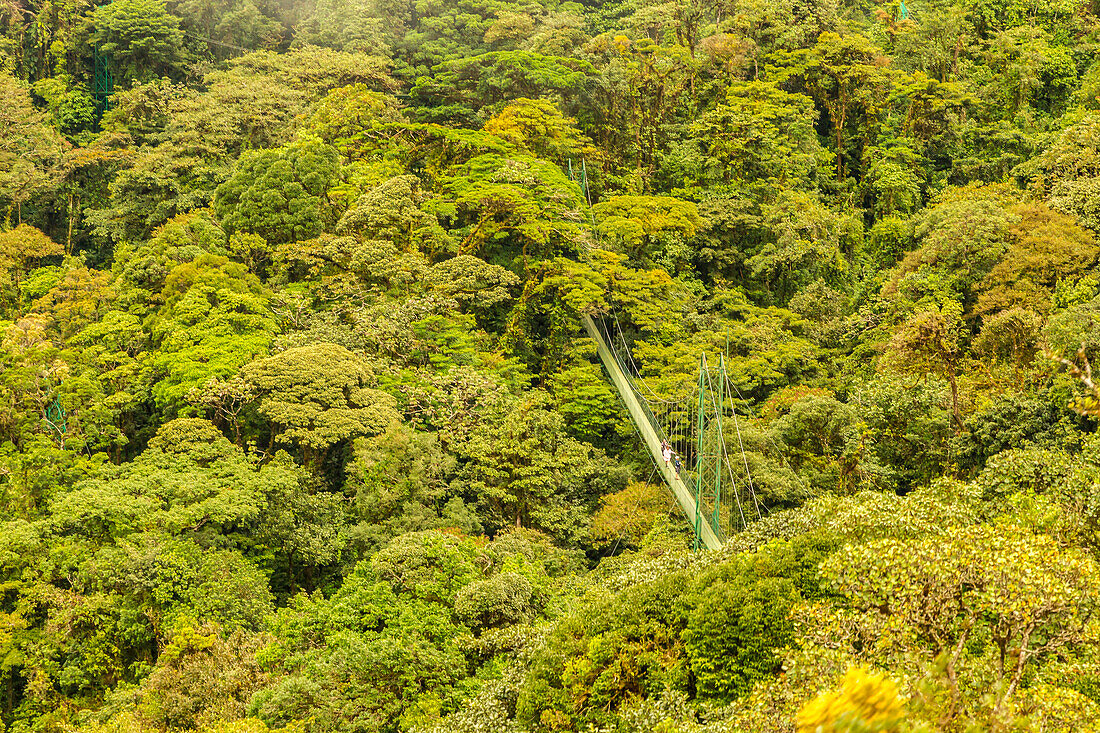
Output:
x=666 y=453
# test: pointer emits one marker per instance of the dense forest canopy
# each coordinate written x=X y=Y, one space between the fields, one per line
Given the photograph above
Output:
x=299 y=428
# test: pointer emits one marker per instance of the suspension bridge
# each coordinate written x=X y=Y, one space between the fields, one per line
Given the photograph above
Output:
x=712 y=487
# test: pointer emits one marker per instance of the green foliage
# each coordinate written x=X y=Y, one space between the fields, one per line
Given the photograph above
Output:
x=1048 y=248
x=350 y=118
x=626 y=517
x=732 y=632
x=911 y=425
x=214 y=321
x=502 y=599
x=100 y=508
x=395 y=629
x=140 y=36
x=516 y=207
x=318 y=395
x=72 y=108
x=930 y=342
x=963 y=238
x=20 y=249
x=29 y=149
x=280 y=194
x=537 y=126
x=461 y=87
x=184 y=238
x=587 y=402
x=365 y=232
x=623 y=645
x=400 y=481
x=605 y=283
x=843 y=74
x=231 y=23
x=346 y=26
x=202 y=678
x=526 y=472
x=1067 y=170
x=761 y=136
x=637 y=225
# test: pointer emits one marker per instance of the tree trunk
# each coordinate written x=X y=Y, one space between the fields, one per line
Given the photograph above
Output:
x=72 y=223
x=954 y=400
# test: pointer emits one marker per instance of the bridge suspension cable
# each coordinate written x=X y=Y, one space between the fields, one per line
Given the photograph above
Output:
x=692 y=420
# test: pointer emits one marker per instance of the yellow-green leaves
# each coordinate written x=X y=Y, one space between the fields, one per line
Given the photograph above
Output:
x=215 y=321
x=317 y=395
x=20 y=248
x=351 y=119
x=761 y=134
x=634 y=225
x=650 y=298
x=537 y=126
x=984 y=597
x=516 y=205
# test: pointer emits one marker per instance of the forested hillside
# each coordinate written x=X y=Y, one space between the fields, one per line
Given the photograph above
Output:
x=299 y=427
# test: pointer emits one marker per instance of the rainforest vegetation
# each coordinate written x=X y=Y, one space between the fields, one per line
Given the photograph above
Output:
x=300 y=428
